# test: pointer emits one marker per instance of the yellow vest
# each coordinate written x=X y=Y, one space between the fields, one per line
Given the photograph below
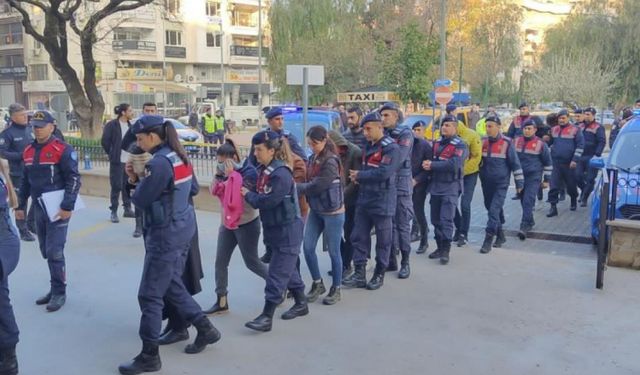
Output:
x=209 y=124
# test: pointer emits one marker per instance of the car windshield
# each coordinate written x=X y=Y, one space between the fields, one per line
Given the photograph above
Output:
x=626 y=152
x=410 y=120
x=178 y=124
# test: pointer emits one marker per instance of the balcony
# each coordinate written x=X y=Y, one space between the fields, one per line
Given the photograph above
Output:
x=134 y=45
x=248 y=51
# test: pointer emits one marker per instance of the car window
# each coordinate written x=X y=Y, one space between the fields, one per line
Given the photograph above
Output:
x=410 y=120
x=626 y=152
x=178 y=125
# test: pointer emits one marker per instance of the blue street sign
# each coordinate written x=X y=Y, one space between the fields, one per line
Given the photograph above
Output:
x=442 y=83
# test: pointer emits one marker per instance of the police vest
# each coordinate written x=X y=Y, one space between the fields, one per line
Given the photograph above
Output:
x=568 y=132
x=497 y=149
x=287 y=210
x=532 y=146
x=447 y=152
x=373 y=159
x=518 y=121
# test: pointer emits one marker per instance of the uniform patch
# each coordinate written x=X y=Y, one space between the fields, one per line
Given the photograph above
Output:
x=267 y=189
x=49 y=155
x=386 y=159
x=74 y=156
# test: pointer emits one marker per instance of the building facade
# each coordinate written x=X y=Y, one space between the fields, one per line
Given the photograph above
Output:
x=12 y=63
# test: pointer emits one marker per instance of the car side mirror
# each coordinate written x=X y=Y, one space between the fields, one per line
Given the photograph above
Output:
x=597 y=163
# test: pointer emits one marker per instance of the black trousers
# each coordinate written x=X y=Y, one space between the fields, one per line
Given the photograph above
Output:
x=118 y=179
x=562 y=176
x=346 y=249
x=419 y=198
x=30 y=222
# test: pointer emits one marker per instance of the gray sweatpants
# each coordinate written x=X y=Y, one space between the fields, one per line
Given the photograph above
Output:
x=246 y=237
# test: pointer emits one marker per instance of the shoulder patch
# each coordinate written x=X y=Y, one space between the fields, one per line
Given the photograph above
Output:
x=74 y=156
x=2 y=141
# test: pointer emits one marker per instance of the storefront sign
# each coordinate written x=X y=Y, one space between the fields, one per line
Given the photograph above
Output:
x=13 y=72
x=44 y=86
x=243 y=76
x=365 y=97
x=139 y=74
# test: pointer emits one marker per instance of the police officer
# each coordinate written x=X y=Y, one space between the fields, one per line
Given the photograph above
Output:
x=578 y=119
x=13 y=140
x=354 y=133
x=618 y=124
x=169 y=226
x=376 y=203
x=50 y=165
x=9 y=255
x=403 y=136
x=515 y=129
x=594 y=142
x=276 y=198
x=420 y=152
x=499 y=160
x=535 y=159
x=446 y=166
x=275 y=120
x=567 y=145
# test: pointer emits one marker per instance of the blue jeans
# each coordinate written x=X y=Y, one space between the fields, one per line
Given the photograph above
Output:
x=331 y=225
x=463 y=221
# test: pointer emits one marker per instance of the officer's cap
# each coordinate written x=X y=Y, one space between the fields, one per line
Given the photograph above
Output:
x=15 y=108
x=522 y=105
x=145 y=123
x=273 y=112
x=493 y=118
x=389 y=106
x=418 y=124
x=40 y=119
x=590 y=110
x=563 y=112
x=578 y=111
x=371 y=117
x=264 y=136
x=451 y=108
x=449 y=118
x=529 y=122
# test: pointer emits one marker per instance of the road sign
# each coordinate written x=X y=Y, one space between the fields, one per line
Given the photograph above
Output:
x=315 y=75
x=443 y=83
x=443 y=95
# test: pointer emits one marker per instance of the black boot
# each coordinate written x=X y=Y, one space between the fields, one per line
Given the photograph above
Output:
x=563 y=195
x=524 y=231
x=405 y=271
x=264 y=321
x=500 y=239
x=393 y=262
x=147 y=361
x=173 y=335
x=438 y=252
x=138 y=231
x=333 y=297
x=486 y=245
x=553 y=211
x=114 y=216
x=415 y=233
x=424 y=245
x=574 y=203
x=207 y=334
x=221 y=305
x=444 y=255
x=377 y=280
x=44 y=299
x=56 y=302
x=456 y=236
x=128 y=212
x=462 y=240
x=347 y=272
x=8 y=361
x=266 y=258
x=358 y=279
x=299 y=308
x=317 y=289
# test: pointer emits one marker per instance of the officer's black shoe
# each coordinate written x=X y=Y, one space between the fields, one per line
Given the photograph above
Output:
x=553 y=211
x=456 y=236
x=444 y=255
x=415 y=233
x=264 y=321
x=128 y=212
x=462 y=240
x=500 y=239
x=584 y=202
x=138 y=231
x=207 y=334
x=358 y=279
x=574 y=204
x=515 y=197
x=299 y=308
x=562 y=196
x=56 y=302
x=486 y=245
x=44 y=299
x=405 y=270
x=8 y=361
x=147 y=361
x=436 y=254
x=114 y=217
x=522 y=235
x=376 y=281
x=424 y=245
x=317 y=289
x=173 y=335
x=347 y=272
x=393 y=262
x=26 y=236
x=221 y=305
x=266 y=258
x=333 y=297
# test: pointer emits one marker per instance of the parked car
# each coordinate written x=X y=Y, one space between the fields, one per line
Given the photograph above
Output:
x=187 y=134
x=328 y=119
x=625 y=157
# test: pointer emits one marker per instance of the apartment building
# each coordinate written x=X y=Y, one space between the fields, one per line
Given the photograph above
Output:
x=12 y=66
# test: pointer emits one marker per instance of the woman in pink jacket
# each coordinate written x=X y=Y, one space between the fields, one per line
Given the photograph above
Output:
x=240 y=224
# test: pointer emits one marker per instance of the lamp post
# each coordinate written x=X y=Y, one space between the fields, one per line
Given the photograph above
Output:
x=259 y=60
x=222 y=105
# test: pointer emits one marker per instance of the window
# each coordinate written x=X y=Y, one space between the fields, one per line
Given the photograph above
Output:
x=172 y=6
x=214 y=40
x=126 y=35
x=11 y=61
x=212 y=8
x=173 y=38
x=10 y=34
x=38 y=72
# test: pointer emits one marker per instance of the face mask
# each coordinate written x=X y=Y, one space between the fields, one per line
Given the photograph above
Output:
x=220 y=168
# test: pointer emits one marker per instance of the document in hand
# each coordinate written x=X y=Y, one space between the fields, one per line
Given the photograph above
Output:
x=51 y=202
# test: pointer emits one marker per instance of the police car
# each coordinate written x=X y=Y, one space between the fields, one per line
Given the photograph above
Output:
x=328 y=119
x=625 y=157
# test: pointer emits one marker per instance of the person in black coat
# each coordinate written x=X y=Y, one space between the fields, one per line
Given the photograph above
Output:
x=421 y=151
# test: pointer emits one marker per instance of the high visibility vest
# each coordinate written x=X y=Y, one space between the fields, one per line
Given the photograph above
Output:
x=209 y=124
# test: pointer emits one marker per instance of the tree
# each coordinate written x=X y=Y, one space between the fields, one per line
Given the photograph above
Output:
x=574 y=78
x=59 y=17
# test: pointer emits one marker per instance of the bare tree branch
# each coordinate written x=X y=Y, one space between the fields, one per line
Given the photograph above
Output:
x=26 y=21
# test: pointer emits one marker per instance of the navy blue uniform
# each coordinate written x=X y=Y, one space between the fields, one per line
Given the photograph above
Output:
x=594 y=142
x=9 y=256
x=276 y=198
x=51 y=166
x=535 y=159
x=403 y=136
x=499 y=160
x=357 y=139
x=515 y=129
x=294 y=145
x=567 y=145
x=376 y=204
x=445 y=186
x=421 y=151
x=168 y=227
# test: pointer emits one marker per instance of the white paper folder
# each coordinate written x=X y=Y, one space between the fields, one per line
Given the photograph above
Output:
x=51 y=202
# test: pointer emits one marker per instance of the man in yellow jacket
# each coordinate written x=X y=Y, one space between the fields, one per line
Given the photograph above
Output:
x=471 y=170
